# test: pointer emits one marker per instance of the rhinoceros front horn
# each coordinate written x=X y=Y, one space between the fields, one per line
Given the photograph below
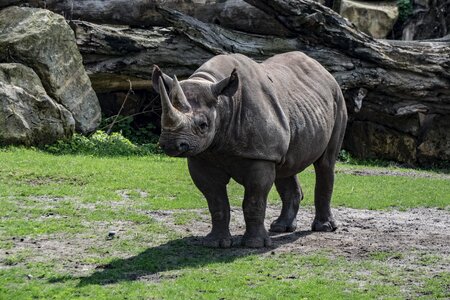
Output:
x=171 y=118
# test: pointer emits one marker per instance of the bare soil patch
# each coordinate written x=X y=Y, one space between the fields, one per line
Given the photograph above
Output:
x=387 y=172
x=416 y=232
x=359 y=232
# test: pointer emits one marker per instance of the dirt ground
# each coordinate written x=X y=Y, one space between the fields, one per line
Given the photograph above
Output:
x=359 y=232
x=388 y=172
x=413 y=233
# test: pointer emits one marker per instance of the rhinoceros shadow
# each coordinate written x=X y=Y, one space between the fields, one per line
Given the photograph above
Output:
x=177 y=254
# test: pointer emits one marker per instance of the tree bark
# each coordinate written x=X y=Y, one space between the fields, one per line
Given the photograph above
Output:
x=382 y=69
x=232 y=14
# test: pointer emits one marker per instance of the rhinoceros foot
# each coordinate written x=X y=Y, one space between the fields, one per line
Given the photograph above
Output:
x=281 y=225
x=256 y=241
x=214 y=240
x=328 y=225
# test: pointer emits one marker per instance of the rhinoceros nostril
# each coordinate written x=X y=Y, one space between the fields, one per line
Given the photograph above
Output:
x=183 y=147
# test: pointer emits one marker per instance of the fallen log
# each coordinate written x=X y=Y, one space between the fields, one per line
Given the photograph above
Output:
x=232 y=14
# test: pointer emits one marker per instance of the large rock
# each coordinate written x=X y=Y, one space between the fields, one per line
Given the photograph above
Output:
x=373 y=18
x=28 y=116
x=43 y=41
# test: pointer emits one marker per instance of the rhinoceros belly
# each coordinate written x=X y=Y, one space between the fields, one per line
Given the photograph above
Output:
x=308 y=143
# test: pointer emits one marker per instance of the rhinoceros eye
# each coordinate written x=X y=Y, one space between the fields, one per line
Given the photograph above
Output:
x=203 y=125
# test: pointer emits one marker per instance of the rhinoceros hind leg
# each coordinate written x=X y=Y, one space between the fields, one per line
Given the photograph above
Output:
x=323 y=220
x=324 y=168
x=291 y=194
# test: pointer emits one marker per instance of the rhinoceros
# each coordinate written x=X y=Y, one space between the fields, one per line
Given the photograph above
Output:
x=259 y=124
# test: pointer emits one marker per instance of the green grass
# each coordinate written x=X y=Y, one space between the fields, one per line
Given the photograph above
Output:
x=73 y=201
x=180 y=271
x=382 y=192
x=159 y=182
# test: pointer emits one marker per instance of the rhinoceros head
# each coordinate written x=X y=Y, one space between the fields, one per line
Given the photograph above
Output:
x=189 y=116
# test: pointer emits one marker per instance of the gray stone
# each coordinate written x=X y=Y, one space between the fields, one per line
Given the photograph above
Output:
x=44 y=41
x=374 y=18
x=28 y=116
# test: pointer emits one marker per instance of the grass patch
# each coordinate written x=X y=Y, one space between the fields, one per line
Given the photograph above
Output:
x=160 y=182
x=56 y=212
x=386 y=255
x=184 y=217
x=16 y=258
x=181 y=271
x=42 y=193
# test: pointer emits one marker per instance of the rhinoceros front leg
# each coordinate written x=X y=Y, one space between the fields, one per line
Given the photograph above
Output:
x=291 y=194
x=257 y=181
x=212 y=181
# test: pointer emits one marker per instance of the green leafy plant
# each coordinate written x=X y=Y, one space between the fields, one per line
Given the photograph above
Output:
x=125 y=126
x=344 y=156
x=101 y=144
x=405 y=9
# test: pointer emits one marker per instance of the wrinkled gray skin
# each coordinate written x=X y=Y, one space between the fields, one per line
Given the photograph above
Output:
x=258 y=123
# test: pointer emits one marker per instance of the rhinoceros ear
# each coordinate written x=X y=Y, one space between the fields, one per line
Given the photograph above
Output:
x=227 y=86
x=157 y=73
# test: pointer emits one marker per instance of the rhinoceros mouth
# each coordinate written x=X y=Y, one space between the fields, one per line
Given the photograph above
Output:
x=174 y=153
x=177 y=150
x=179 y=154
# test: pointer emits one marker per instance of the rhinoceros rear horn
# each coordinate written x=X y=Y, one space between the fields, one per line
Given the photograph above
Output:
x=157 y=73
x=179 y=98
x=227 y=86
x=171 y=118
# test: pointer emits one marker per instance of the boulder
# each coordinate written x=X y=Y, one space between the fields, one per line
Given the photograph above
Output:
x=43 y=41
x=28 y=116
x=374 y=18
